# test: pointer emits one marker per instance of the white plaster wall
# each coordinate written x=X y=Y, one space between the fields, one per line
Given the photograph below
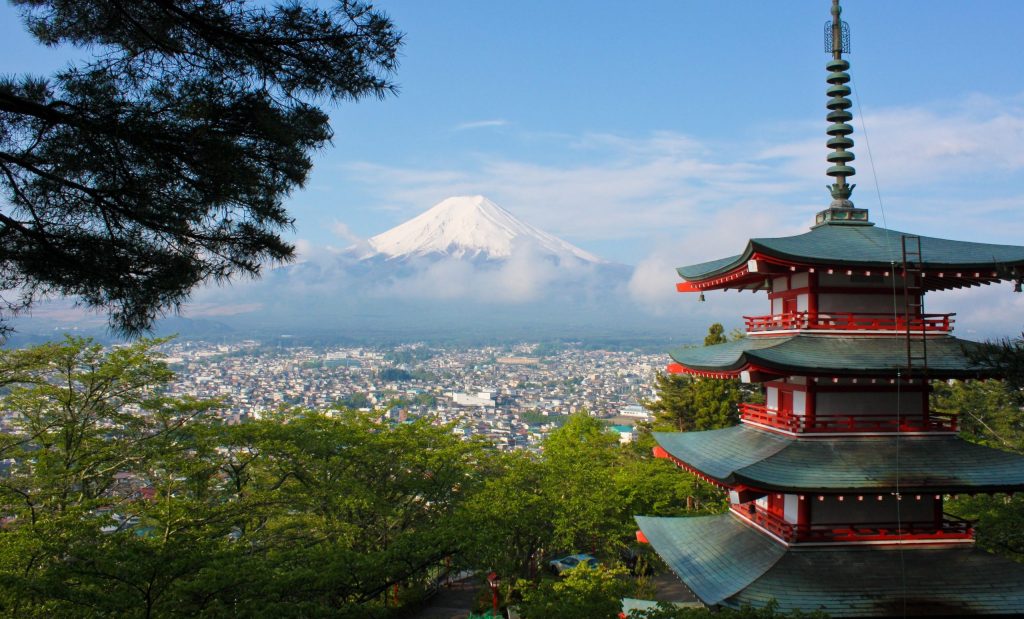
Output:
x=790 y=506
x=799 y=403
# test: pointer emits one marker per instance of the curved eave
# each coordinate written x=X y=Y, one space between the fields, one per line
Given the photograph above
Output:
x=947 y=263
x=746 y=456
x=826 y=355
x=725 y=562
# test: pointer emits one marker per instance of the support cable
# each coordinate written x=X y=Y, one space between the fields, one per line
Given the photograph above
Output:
x=899 y=379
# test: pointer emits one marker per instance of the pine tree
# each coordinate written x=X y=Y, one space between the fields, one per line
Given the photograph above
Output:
x=163 y=161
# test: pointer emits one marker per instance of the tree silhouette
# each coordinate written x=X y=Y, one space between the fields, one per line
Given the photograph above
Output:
x=163 y=160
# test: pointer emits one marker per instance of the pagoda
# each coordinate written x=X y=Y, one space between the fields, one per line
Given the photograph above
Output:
x=837 y=483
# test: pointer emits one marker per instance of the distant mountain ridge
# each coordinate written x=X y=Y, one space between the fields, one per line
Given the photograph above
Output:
x=469 y=227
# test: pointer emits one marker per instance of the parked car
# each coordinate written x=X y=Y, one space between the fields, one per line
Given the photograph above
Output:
x=559 y=566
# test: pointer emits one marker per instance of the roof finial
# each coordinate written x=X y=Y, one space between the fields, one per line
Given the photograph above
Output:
x=837 y=41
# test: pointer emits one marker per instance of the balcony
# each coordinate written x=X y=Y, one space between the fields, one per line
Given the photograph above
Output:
x=848 y=321
x=949 y=528
x=864 y=422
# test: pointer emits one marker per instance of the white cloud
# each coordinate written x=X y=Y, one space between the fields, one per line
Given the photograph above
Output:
x=481 y=124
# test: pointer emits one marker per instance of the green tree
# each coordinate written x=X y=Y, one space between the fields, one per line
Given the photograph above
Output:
x=510 y=518
x=685 y=403
x=96 y=518
x=716 y=335
x=989 y=412
x=579 y=459
x=768 y=611
x=121 y=501
x=584 y=593
x=164 y=160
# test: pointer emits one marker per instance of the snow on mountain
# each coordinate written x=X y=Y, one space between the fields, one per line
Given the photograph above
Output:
x=470 y=227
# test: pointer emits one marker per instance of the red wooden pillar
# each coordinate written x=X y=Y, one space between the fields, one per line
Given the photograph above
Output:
x=810 y=398
x=812 y=298
x=803 y=515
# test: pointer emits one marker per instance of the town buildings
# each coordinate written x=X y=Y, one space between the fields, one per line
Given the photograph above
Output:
x=506 y=395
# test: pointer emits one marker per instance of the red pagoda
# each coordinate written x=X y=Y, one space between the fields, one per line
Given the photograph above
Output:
x=837 y=483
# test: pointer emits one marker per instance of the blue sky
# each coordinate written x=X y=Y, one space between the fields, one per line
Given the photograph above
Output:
x=667 y=132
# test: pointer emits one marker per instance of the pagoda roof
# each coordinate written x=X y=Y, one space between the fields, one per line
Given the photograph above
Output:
x=742 y=455
x=829 y=355
x=727 y=562
x=865 y=246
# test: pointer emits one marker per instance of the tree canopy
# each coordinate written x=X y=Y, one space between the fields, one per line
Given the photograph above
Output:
x=686 y=403
x=163 y=160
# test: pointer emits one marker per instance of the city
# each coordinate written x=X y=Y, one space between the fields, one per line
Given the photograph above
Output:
x=511 y=395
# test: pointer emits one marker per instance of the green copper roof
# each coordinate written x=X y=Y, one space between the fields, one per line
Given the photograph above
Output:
x=727 y=562
x=831 y=355
x=865 y=246
x=716 y=556
x=753 y=457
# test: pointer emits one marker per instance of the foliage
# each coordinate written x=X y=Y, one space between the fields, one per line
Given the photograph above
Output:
x=1006 y=356
x=716 y=335
x=163 y=161
x=578 y=460
x=581 y=495
x=122 y=501
x=999 y=521
x=584 y=593
x=685 y=403
x=988 y=412
x=769 y=611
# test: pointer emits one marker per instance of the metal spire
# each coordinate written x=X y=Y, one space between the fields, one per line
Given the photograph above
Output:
x=839 y=109
x=837 y=42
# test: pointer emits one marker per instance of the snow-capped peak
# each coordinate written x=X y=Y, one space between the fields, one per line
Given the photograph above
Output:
x=470 y=227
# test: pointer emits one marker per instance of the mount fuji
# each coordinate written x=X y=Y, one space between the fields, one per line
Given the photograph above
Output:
x=469 y=228
x=464 y=270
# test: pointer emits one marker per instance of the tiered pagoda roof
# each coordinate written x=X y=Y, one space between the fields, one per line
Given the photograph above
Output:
x=861 y=248
x=827 y=355
x=726 y=562
x=747 y=456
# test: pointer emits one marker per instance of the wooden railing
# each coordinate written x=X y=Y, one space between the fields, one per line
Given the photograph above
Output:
x=950 y=527
x=864 y=422
x=848 y=321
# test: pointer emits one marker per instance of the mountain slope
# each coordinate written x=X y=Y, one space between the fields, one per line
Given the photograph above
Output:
x=469 y=227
